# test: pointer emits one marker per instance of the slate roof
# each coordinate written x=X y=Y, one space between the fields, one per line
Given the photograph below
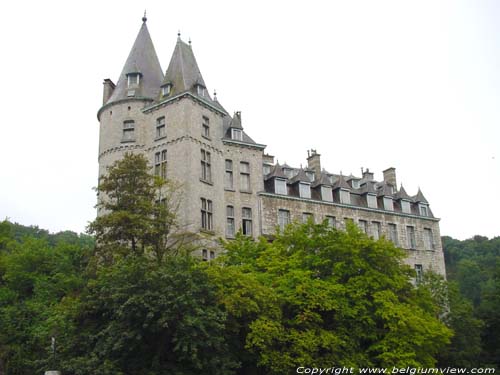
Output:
x=183 y=72
x=341 y=183
x=277 y=171
x=322 y=179
x=401 y=194
x=368 y=187
x=384 y=189
x=420 y=197
x=141 y=59
x=300 y=177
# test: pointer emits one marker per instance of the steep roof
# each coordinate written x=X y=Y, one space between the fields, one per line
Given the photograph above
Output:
x=401 y=194
x=300 y=177
x=183 y=71
x=141 y=59
x=368 y=187
x=276 y=172
x=384 y=189
x=322 y=179
x=341 y=184
x=420 y=197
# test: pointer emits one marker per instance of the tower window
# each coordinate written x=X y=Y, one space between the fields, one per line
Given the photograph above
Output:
x=161 y=164
x=165 y=90
x=128 y=131
x=200 y=90
x=160 y=128
x=133 y=79
x=206 y=214
x=246 y=214
x=206 y=169
x=228 y=177
x=236 y=134
x=205 y=132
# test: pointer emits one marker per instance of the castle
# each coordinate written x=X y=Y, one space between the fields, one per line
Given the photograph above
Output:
x=228 y=182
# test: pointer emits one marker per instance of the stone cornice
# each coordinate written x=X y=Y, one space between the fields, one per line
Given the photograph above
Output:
x=176 y=98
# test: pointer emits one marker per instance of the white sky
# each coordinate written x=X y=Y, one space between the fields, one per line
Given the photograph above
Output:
x=409 y=84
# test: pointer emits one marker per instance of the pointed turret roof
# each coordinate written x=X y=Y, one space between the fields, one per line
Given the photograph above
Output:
x=236 y=121
x=183 y=72
x=322 y=180
x=341 y=183
x=368 y=188
x=420 y=197
x=141 y=59
x=300 y=177
x=401 y=194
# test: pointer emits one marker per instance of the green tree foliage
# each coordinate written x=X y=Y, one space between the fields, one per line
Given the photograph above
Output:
x=138 y=213
x=317 y=296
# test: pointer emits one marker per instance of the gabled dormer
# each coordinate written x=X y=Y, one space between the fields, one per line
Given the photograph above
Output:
x=300 y=185
x=342 y=190
x=369 y=194
x=385 y=196
x=422 y=204
x=404 y=200
x=276 y=181
x=322 y=188
x=235 y=131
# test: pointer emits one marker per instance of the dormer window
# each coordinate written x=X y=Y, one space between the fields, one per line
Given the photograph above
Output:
x=371 y=200
x=304 y=190
x=345 y=196
x=355 y=184
x=388 y=204
x=133 y=79
x=424 y=211
x=200 y=90
x=280 y=186
x=165 y=90
x=237 y=134
x=310 y=175
x=326 y=193
x=266 y=169
x=288 y=172
x=405 y=207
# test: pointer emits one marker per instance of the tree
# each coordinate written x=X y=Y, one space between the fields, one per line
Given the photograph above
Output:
x=341 y=298
x=137 y=212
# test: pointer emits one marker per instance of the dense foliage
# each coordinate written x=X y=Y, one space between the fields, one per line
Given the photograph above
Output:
x=135 y=303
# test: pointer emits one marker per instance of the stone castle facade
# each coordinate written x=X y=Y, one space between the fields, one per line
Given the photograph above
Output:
x=228 y=182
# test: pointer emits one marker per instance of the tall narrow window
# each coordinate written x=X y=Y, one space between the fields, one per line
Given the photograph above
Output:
x=128 y=131
x=165 y=90
x=283 y=218
x=206 y=214
x=161 y=164
x=206 y=172
x=363 y=225
x=375 y=230
x=205 y=131
x=419 y=270
x=230 y=221
x=331 y=221
x=228 y=177
x=204 y=255
x=393 y=233
x=410 y=236
x=428 y=239
x=246 y=214
x=160 y=128
x=244 y=176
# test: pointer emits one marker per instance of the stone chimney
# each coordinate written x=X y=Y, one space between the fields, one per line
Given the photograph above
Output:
x=367 y=175
x=268 y=159
x=108 y=89
x=390 y=177
x=313 y=161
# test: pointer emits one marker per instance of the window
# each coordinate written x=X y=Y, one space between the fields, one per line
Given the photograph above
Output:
x=206 y=173
x=212 y=254
x=133 y=79
x=363 y=225
x=375 y=230
x=310 y=175
x=246 y=214
x=304 y=190
x=228 y=177
x=326 y=193
x=393 y=233
x=331 y=221
x=306 y=216
x=419 y=270
x=205 y=132
x=230 y=221
x=288 y=172
x=204 y=255
x=371 y=200
x=355 y=184
x=244 y=176
x=161 y=164
x=428 y=239
x=345 y=196
x=405 y=207
x=388 y=204
x=410 y=237
x=266 y=169
x=424 y=211
x=283 y=218
x=236 y=134
x=128 y=131
x=280 y=186
x=206 y=214
x=165 y=90
x=201 y=90
x=160 y=128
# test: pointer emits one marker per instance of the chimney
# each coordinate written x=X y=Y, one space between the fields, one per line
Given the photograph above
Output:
x=390 y=176
x=268 y=159
x=367 y=175
x=313 y=161
x=108 y=89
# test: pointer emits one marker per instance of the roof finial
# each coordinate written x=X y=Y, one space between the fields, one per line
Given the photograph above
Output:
x=178 y=35
x=144 y=18
x=189 y=41
x=215 y=95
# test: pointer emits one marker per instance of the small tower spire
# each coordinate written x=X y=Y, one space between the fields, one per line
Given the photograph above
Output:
x=144 y=18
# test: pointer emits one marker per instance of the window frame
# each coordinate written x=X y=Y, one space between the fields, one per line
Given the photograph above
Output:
x=283 y=218
x=245 y=177
x=206 y=214
x=160 y=128
x=206 y=166
x=128 y=134
x=246 y=221
x=205 y=127
x=230 y=222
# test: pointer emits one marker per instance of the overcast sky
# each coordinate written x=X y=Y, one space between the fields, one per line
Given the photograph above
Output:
x=413 y=85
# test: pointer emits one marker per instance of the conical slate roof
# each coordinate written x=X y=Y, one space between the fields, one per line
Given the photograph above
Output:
x=183 y=72
x=300 y=177
x=341 y=183
x=236 y=121
x=141 y=59
x=276 y=172
x=420 y=197
x=322 y=179
x=401 y=194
